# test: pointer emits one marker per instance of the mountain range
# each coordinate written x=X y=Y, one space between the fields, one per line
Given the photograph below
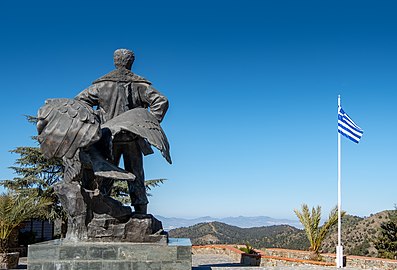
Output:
x=240 y=221
x=358 y=235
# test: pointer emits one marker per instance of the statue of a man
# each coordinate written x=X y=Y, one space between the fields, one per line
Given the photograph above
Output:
x=113 y=94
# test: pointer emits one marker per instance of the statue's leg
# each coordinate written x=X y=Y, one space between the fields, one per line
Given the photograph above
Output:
x=96 y=191
x=133 y=162
x=101 y=203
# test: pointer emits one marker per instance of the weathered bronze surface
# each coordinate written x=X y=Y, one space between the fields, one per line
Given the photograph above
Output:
x=108 y=120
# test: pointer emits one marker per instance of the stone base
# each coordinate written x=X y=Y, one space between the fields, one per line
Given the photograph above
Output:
x=63 y=255
x=138 y=229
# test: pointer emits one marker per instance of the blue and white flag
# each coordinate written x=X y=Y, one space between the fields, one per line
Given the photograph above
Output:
x=347 y=127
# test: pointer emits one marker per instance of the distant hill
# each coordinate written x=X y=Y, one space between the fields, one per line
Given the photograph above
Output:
x=358 y=235
x=220 y=233
x=240 y=221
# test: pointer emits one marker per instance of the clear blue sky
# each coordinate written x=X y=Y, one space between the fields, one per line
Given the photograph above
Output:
x=253 y=91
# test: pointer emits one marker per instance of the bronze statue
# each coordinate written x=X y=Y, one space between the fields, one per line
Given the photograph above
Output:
x=115 y=93
x=91 y=132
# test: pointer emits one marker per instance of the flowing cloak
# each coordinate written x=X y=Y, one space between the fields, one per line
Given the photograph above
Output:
x=142 y=123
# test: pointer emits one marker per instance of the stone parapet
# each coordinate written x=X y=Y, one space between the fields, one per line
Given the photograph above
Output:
x=287 y=257
x=351 y=261
x=231 y=251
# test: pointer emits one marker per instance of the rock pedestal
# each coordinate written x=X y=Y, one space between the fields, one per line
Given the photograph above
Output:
x=64 y=255
x=139 y=229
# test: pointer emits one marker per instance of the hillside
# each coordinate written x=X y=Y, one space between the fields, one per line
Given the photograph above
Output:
x=220 y=233
x=358 y=235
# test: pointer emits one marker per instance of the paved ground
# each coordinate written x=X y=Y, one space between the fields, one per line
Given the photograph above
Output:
x=224 y=262
x=212 y=261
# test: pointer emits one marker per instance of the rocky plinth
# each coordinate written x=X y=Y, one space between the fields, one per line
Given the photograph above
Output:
x=138 y=229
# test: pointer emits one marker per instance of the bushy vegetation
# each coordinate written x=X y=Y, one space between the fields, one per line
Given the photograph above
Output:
x=386 y=243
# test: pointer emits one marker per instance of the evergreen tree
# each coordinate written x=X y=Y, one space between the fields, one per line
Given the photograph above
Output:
x=36 y=175
x=120 y=189
x=386 y=243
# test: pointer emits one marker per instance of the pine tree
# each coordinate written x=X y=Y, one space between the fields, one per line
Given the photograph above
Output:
x=386 y=243
x=38 y=175
x=120 y=189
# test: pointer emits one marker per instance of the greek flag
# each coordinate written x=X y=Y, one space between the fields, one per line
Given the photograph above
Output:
x=347 y=127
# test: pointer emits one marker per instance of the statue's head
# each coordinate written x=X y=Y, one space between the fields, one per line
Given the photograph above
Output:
x=123 y=58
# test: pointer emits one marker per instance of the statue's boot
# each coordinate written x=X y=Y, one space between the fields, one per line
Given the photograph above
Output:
x=102 y=204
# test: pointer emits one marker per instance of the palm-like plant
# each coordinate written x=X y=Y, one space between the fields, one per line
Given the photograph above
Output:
x=311 y=223
x=15 y=209
x=248 y=249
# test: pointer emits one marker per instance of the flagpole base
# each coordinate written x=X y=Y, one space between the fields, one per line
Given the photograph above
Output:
x=339 y=257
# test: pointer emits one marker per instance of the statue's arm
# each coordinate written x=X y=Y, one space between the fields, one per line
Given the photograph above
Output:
x=157 y=102
x=89 y=95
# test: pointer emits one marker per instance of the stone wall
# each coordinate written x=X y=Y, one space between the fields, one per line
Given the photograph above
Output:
x=351 y=261
x=283 y=257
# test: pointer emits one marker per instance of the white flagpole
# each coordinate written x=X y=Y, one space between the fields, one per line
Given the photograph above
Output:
x=339 y=248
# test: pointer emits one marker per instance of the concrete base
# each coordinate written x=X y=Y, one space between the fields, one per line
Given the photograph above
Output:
x=63 y=255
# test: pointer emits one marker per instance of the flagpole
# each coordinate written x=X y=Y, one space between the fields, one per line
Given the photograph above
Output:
x=339 y=248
